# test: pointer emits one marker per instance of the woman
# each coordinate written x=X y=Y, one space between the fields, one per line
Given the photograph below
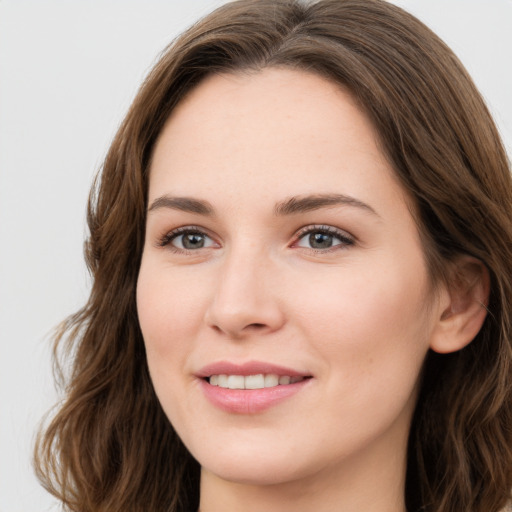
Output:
x=300 y=244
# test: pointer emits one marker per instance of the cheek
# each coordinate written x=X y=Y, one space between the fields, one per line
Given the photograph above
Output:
x=169 y=317
x=168 y=303
x=370 y=333
x=370 y=325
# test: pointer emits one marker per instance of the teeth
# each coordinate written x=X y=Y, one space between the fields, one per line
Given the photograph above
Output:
x=254 y=381
x=236 y=382
x=271 y=380
x=258 y=381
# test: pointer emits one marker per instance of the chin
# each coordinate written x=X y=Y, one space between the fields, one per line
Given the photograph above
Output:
x=255 y=473
x=258 y=463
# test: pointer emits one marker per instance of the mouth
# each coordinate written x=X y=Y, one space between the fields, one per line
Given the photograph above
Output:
x=252 y=387
x=257 y=381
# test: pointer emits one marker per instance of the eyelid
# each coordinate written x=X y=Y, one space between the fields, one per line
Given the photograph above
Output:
x=346 y=238
x=166 y=239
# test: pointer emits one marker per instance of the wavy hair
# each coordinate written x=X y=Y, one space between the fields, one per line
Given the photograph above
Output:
x=109 y=446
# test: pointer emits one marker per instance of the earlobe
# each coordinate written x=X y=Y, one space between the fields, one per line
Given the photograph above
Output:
x=463 y=306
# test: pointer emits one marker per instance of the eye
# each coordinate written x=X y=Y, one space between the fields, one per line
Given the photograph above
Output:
x=323 y=238
x=187 y=239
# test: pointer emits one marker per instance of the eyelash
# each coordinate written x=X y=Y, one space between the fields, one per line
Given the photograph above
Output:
x=345 y=239
x=166 y=240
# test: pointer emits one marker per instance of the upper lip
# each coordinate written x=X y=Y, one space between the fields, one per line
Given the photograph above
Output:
x=248 y=368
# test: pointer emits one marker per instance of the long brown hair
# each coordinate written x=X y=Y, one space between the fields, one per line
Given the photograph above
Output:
x=110 y=447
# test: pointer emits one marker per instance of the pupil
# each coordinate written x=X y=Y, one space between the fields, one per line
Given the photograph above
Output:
x=320 y=240
x=193 y=241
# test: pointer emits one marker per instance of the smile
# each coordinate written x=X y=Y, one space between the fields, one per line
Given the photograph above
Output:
x=258 y=381
x=251 y=387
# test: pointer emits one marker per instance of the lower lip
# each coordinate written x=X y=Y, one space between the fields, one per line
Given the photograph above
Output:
x=250 y=401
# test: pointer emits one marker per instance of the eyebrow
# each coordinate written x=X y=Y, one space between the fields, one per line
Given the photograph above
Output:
x=301 y=204
x=291 y=206
x=184 y=204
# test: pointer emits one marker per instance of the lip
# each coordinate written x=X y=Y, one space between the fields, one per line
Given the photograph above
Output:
x=249 y=401
x=248 y=368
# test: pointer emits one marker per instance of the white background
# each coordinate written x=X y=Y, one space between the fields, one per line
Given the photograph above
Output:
x=68 y=71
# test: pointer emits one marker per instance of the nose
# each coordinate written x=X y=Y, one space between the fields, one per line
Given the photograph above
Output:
x=245 y=299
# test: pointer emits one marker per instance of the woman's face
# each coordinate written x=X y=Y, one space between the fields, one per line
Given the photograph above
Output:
x=280 y=251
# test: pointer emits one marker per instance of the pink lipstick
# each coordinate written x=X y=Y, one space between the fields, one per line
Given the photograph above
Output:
x=251 y=387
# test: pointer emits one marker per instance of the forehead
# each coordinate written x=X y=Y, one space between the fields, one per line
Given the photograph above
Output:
x=273 y=132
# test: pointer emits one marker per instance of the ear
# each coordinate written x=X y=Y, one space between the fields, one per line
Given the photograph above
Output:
x=463 y=305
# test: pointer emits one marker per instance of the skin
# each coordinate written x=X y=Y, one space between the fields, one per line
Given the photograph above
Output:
x=358 y=317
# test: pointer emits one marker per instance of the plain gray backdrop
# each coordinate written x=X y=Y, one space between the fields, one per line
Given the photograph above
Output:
x=68 y=72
